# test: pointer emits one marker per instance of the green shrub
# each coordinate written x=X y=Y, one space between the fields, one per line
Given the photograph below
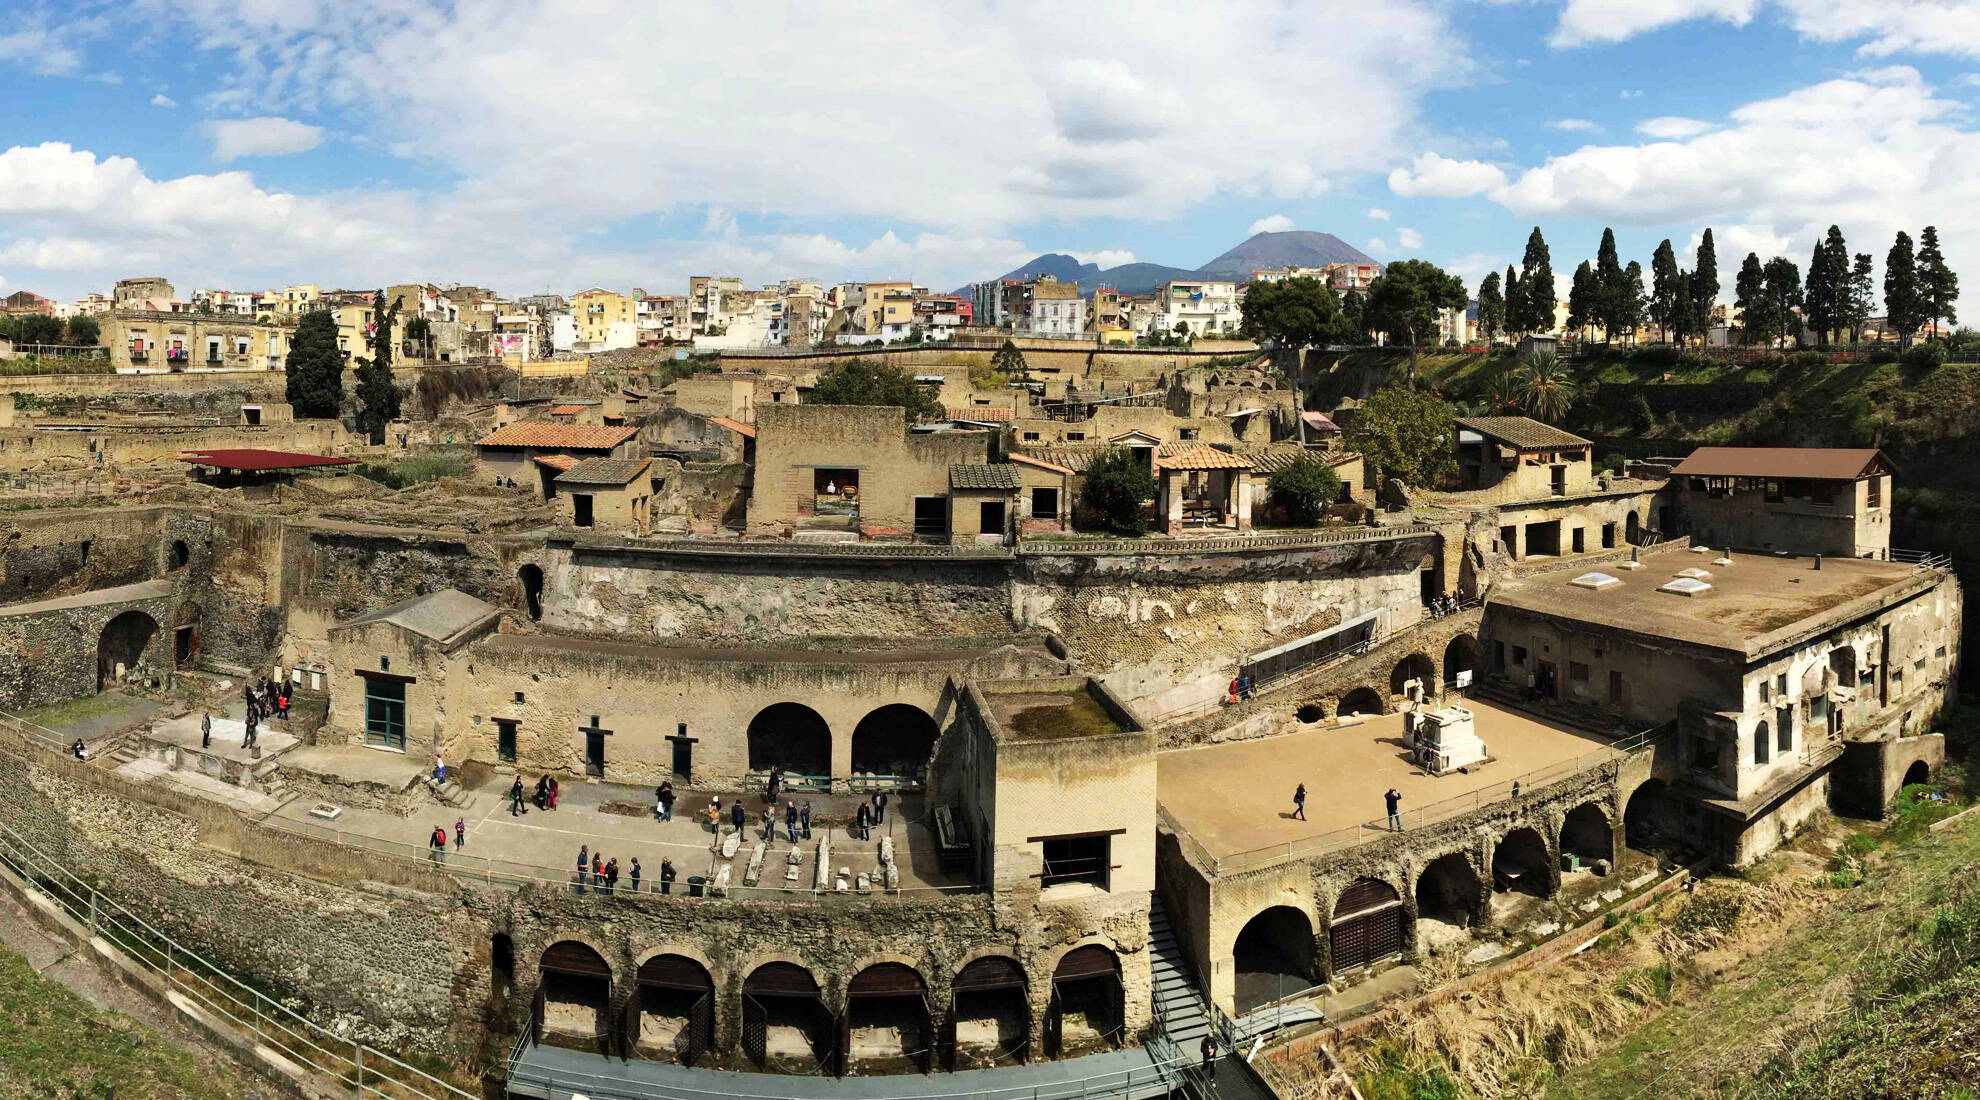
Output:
x=1656 y=355
x=414 y=469
x=1925 y=356
x=1880 y=355
x=1717 y=910
x=1117 y=483
x=1808 y=360
x=1769 y=363
x=1305 y=488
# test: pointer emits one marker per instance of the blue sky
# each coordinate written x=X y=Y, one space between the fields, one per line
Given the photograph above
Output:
x=539 y=146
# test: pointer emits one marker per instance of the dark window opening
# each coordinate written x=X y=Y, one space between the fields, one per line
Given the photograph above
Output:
x=992 y=517
x=581 y=509
x=1077 y=859
x=931 y=516
x=385 y=713
x=1045 y=503
x=505 y=740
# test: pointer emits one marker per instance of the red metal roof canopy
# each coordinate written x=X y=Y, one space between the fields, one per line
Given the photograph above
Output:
x=254 y=458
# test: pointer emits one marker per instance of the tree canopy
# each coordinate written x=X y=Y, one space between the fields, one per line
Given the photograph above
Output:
x=1405 y=298
x=1905 y=304
x=862 y=381
x=1937 y=284
x=1405 y=433
x=1704 y=284
x=315 y=368
x=1306 y=488
x=1294 y=313
x=1491 y=307
x=1547 y=392
x=85 y=331
x=1117 y=484
x=1825 y=297
x=1536 y=281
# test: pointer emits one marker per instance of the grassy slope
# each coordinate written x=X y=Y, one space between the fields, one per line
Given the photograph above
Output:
x=55 y=1044
x=1796 y=996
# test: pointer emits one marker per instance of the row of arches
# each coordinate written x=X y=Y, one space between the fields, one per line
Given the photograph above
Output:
x=1460 y=655
x=782 y=1020
x=892 y=740
x=1278 y=952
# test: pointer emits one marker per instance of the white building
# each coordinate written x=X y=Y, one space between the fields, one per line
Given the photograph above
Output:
x=1056 y=309
x=1207 y=308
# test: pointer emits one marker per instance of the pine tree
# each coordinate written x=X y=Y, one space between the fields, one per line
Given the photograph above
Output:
x=1681 y=317
x=1609 y=274
x=1862 y=295
x=1936 y=282
x=375 y=389
x=1904 y=301
x=1629 y=308
x=1750 y=298
x=1491 y=307
x=1704 y=286
x=1663 y=289
x=315 y=368
x=1536 y=281
x=1515 y=304
x=1822 y=299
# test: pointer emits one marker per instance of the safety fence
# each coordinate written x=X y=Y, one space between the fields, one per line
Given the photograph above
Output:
x=364 y=1070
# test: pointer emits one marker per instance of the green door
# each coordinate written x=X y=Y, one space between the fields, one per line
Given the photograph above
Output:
x=385 y=713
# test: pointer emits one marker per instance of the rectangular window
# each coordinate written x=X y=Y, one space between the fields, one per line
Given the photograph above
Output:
x=1031 y=437
x=385 y=713
x=1780 y=684
x=1188 y=433
x=1579 y=543
x=1764 y=687
x=1075 y=437
x=505 y=740
x=1577 y=672
x=1760 y=744
x=1519 y=656
x=1773 y=491
x=1784 y=729
x=1077 y=859
x=1608 y=536
x=1704 y=754
x=1615 y=688
x=1874 y=492
x=1045 y=503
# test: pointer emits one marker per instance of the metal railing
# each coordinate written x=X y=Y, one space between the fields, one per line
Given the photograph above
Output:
x=365 y=1070
x=1442 y=810
x=1923 y=559
x=1161 y=1072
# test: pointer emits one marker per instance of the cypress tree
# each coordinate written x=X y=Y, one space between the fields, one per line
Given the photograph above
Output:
x=1663 y=288
x=1862 y=295
x=1783 y=294
x=1515 y=304
x=1536 y=282
x=1704 y=285
x=1491 y=307
x=1936 y=282
x=1629 y=310
x=375 y=390
x=316 y=368
x=1827 y=300
x=1904 y=300
x=1609 y=275
x=1750 y=290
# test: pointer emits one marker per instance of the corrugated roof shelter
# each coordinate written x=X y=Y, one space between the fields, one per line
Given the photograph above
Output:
x=1824 y=463
x=254 y=458
x=441 y=616
x=604 y=471
x=988 y=475
x=1522 y=433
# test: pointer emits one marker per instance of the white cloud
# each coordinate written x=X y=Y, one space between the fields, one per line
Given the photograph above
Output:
x=1409 y=238
x=1276 y=223
x=1377 y=245
x=163 y=100
x=1672 y=127
x=1631 y=93
x=1443 y=177
x=1378 y=214
x=1106 y=257
x=1872 y=153
x=264 y=136
x=1588 y=22
x=1574 y=125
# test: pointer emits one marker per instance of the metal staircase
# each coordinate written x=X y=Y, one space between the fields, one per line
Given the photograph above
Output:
x=1178 y=1005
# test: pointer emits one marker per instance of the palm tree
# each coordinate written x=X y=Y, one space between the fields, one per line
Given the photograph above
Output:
x=1504 y=398
x=1546 y=391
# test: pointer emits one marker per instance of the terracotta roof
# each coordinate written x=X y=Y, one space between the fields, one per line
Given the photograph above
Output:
x=1320 y=421
x=566 y=410
x=254 y=458
x=983 y=475
x=1149 y=436
x=1826 y=463
x=604 y=471
x=1040 y=463
x=1203 y=457
x=735 y=426
x=555 y=462
x=581 y=437
x=1523 y=432
x=978 y=412
x=1073 y=457
x=1278 y=456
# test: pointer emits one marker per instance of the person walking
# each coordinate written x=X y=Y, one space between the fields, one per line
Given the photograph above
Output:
x=738 y=815
x=714 y=815
x=774 y=787
x=282 y=705
x=790 y=822
x=804 y=820
x=247 y=734
x=770 y=822
x=666 y=875
x=612 y=876
x=666 y=801
x=859 y=821
x=460 y=833
x=584 y=864
x=438 y=843
x=1394 y=799
x=541 y=796
x=635 y=874
x=1299 y=803
x=516 y=807
x=1231 y=693
x=555 y=790
x=1209 y=1049
x=439 y=771
x=206 y=730
x=880 y=807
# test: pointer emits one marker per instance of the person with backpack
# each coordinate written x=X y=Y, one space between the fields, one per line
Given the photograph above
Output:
x=438 y=843
x=1299 y=803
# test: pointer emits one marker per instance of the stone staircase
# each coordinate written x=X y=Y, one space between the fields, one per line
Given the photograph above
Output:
x=450 y=793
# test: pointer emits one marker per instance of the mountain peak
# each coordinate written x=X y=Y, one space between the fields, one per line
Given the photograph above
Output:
x=1293 y=248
